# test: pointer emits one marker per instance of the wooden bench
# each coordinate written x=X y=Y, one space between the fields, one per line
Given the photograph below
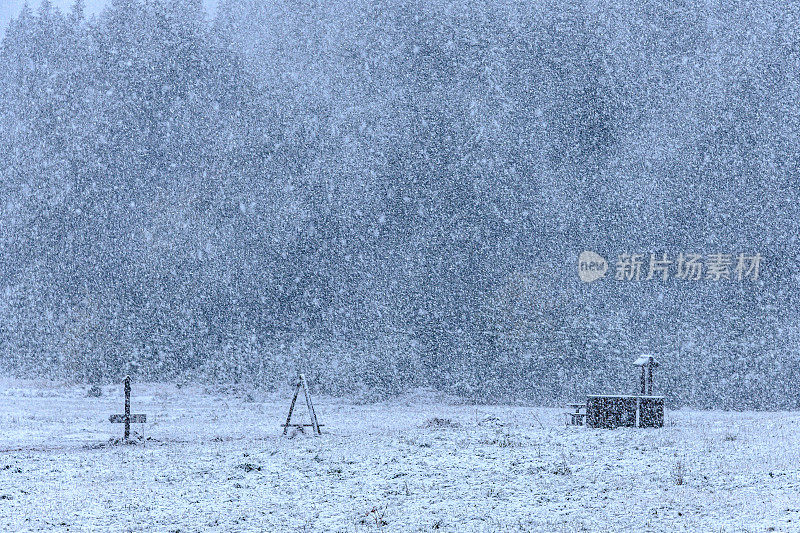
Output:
x=577 y=415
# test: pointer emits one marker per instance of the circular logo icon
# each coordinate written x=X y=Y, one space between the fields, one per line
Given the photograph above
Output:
x=591 y=266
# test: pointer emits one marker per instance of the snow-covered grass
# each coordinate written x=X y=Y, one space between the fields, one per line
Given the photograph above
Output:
x=215 y=460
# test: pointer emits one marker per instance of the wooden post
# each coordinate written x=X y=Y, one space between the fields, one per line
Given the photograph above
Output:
x=638 y=412
x=127 y=407
x=642 y=380
x=649 y=378
x=127 y=418
x=291 y=408
x=310 y=406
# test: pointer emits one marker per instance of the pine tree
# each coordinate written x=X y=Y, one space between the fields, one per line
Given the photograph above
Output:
x=77 y=13
x=45 y=9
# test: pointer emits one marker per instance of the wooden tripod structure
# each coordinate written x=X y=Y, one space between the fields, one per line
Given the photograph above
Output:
x=301 y=383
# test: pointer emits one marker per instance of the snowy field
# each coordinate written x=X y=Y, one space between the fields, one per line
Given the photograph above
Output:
x=216 y=460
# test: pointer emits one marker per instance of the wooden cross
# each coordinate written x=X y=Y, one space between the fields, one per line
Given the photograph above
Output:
x=301 y=383
x=128 y=418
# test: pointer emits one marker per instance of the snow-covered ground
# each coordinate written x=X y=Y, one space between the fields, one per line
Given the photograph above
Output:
x=216 y=460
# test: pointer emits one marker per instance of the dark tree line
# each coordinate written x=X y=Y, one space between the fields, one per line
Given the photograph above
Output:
x=390 y=194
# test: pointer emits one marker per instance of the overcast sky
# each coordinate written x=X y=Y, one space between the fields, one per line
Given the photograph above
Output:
x=11 y=8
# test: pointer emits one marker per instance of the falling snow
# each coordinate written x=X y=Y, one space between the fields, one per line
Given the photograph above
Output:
x=392 y=196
